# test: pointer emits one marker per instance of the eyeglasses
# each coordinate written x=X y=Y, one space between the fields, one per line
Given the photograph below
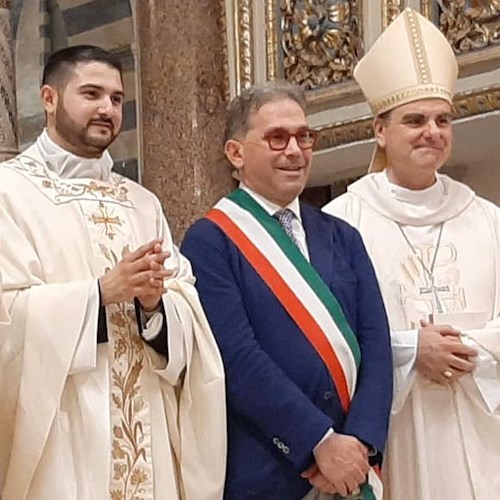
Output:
x=279 y=138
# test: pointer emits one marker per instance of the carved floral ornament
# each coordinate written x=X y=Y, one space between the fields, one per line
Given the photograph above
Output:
x=314 y=43
x=321 y=41
x=470 y=24
x=390 y=10
x=317 y=43
x=467 y=24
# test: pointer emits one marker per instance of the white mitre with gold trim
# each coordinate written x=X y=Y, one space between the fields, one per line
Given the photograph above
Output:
x=411 y=60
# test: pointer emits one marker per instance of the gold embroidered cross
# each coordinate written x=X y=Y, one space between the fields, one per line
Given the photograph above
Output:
x=107 y=219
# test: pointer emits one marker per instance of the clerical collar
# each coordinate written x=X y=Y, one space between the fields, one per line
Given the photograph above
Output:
x=270 y=207
x=430 y=197
x=70 y=166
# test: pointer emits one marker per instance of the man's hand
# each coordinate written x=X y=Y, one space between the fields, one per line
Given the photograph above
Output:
x=441 y=355
x=139 y=274
x=343 y=461
x=318 y=481
x=151 y=296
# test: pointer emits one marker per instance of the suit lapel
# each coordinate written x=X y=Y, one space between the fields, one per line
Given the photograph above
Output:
x=319 y=242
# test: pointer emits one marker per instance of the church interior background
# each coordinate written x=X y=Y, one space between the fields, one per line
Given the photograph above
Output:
x=185 y=59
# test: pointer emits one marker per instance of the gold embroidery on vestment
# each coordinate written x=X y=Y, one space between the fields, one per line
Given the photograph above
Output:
x=106 y=218
x=131 y=447
x=65 y=190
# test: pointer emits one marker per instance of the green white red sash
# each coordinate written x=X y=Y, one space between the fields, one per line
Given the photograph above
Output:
x=301 y=291
x=296 y=284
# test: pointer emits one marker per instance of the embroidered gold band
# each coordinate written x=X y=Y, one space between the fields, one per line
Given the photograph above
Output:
x=417 y=45
x=410 y=94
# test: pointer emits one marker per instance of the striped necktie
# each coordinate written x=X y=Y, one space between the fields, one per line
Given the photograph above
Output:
x=285 y=217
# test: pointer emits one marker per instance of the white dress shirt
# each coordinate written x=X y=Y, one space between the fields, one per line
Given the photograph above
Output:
x=294 y=206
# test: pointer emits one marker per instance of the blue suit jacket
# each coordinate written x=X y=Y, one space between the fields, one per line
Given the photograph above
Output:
x=281 y=398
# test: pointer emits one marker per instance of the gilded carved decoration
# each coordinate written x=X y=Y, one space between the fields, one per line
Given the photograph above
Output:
x=464 y=105
x=477 y=102
x=225 y=50
x=321 y=41
x=426 y=8
x=243 y=44
x=271 y=40
x=316 y=43
x=344 y=133
x=390 y=10
x=470 y=24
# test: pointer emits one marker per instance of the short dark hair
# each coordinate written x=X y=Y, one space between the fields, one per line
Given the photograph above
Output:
x=62 y=62
x=252 y=99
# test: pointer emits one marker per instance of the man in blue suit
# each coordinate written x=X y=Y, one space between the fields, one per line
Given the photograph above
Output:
x=294 y=304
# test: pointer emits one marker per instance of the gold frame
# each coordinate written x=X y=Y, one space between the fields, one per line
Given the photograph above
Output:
x=473 y=62
x=341 y=93
x=271 y=40
x=426 y=8
x=390 y=10
x=466 y=104
x=243 y=42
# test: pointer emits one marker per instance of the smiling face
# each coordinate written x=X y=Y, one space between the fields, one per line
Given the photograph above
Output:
x=278 y=176
x=417 y=139
x=84 y=115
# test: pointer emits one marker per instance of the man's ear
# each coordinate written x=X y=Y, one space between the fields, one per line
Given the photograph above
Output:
x=235 y=153
x=49 y=96
x=379 y=127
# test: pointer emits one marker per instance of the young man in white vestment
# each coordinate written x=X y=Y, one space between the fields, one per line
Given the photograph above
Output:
x=435 y=248
x=112 y=385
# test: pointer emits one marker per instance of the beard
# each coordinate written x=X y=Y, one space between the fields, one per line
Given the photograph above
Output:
x=90 y=139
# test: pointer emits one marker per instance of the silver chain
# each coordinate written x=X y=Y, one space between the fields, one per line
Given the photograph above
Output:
x=428 y=270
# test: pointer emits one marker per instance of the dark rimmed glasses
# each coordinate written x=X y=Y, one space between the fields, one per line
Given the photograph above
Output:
x=278 y=138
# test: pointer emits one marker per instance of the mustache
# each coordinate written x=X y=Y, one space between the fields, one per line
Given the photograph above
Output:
x=101 y=121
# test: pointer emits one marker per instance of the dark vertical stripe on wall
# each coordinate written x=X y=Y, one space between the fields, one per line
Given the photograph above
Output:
x=128 y=168
x=15 y=14
x=129 y=116
x=125 y=56
x=94 y=14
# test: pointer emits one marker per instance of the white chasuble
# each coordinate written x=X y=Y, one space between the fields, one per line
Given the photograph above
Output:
x=87 y=421
x=436 y=252
x=4 y=315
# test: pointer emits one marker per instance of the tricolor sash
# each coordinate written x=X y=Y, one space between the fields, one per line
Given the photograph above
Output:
x=300 y=290
x=295 y=283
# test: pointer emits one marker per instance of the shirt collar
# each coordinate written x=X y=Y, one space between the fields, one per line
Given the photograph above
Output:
x=68 y=165
x=270 y=207
x=430 y=197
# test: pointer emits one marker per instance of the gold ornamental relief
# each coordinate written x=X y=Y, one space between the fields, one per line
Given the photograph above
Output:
x=390 y=10
x=243 y=20
x=426 y=8
x=321 y=41
x=470 y=24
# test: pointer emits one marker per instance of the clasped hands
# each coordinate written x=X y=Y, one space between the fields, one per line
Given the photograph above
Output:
x=140 y=274
x=441 y=355
x=341 y=465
